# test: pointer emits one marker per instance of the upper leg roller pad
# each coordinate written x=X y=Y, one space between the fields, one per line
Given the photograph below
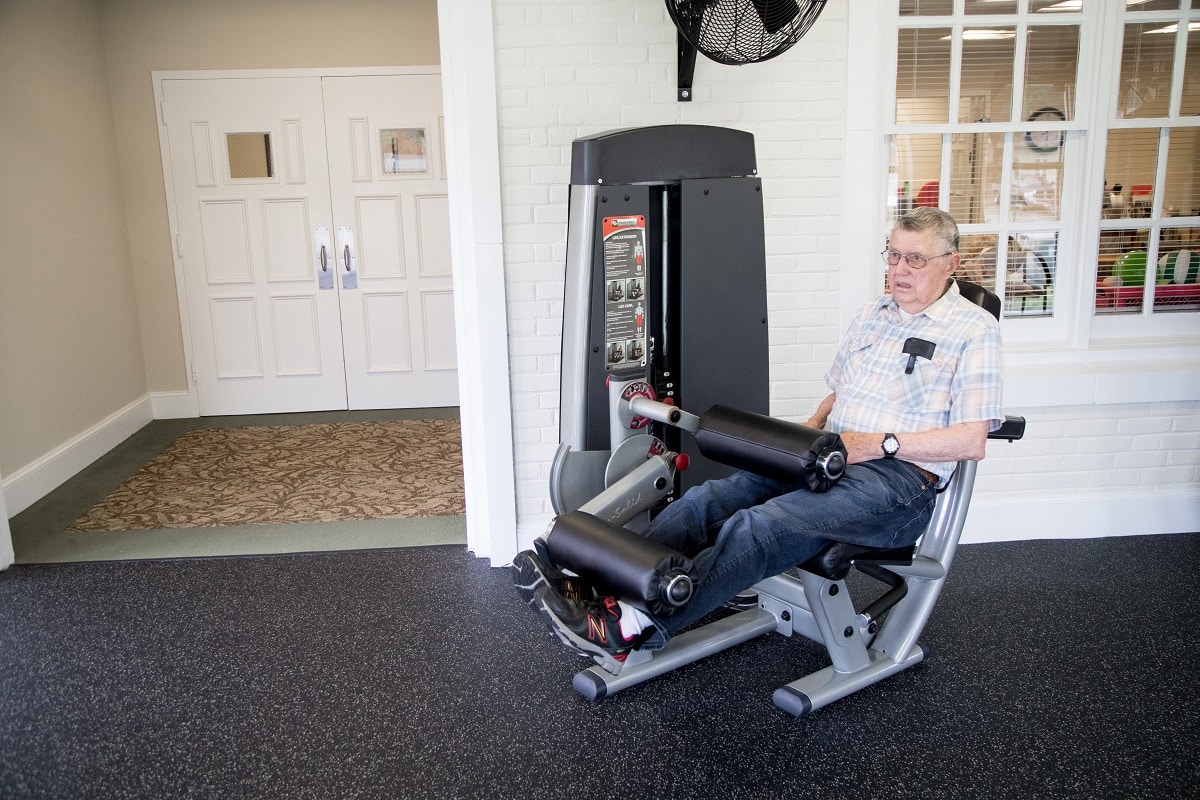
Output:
x=776 y=448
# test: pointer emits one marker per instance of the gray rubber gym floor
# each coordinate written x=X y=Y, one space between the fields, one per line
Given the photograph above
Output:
x=1058 y=669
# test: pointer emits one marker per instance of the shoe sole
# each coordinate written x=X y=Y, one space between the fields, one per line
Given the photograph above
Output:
x=527 y=575
x=571 y=639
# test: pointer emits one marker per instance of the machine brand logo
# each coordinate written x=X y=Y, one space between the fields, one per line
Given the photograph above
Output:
x=624 y=222
x=622 y=510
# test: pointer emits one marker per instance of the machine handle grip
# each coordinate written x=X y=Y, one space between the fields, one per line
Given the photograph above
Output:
x=663 y=412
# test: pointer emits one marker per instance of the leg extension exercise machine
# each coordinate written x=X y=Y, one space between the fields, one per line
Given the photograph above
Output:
x=665 y=309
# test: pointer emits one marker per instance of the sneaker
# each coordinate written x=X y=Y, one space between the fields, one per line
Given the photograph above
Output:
x=589 y=627
x=531 y=571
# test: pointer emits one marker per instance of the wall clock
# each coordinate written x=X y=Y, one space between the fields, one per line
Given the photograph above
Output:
x=1045 y=141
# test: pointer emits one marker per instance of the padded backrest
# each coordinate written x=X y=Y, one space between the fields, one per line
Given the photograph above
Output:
x=980 y=296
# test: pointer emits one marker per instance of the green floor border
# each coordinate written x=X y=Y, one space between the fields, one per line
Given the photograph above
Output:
x=40 y=534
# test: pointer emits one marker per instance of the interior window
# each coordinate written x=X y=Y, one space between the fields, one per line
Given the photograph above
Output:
x=989 y=124
x=1147 y=245
x=997 y=93
x=249 y=155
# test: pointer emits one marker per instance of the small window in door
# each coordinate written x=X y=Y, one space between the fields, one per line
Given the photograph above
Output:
x=249 y=155
x=404 y=150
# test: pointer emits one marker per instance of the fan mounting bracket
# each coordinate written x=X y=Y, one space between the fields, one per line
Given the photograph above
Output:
x=687 y=68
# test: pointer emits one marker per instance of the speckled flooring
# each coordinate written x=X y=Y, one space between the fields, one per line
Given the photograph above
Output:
x=1058 y=669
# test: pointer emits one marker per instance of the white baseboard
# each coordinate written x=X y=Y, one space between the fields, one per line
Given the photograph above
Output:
x=174 y=405
x=34 y=481
x=1003 y=519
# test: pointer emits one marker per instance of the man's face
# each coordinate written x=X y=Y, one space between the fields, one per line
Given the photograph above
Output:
x=916 y=289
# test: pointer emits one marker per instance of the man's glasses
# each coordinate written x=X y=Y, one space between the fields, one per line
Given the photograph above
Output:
x=915 y=260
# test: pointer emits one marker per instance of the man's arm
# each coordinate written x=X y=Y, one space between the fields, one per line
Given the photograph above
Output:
x=821 y=415
x=965 y=441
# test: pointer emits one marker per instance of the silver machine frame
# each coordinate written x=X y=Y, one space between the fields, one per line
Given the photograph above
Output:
x=862 y=650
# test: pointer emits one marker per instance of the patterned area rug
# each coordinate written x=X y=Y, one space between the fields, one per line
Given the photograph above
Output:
x=291 y=473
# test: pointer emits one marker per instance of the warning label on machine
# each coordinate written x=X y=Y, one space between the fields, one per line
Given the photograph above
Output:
x=624 y=291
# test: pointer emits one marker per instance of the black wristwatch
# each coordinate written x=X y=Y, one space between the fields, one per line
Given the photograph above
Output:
x=890 y=445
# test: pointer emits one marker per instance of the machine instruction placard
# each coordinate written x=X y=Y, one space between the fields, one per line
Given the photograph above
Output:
x=624 y=291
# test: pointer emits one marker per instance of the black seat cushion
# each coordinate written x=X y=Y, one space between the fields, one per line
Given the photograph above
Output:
x=836 y=558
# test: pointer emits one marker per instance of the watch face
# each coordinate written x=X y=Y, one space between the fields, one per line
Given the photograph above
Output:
x=890 y=445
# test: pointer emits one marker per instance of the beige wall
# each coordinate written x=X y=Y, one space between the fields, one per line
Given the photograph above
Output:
x=144 y=35
x=89 y=315
x=70 y=349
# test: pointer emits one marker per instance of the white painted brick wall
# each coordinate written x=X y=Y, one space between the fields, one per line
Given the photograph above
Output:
x=1106 y=450
x=570 y=68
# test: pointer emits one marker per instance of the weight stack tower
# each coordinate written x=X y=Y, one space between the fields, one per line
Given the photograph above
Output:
x=665 y=295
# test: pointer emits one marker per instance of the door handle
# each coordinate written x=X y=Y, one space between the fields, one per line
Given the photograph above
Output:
x=345 y=239
x=323 y=243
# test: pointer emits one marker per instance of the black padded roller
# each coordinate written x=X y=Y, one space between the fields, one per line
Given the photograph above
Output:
x=623 y=563
x=778 y=449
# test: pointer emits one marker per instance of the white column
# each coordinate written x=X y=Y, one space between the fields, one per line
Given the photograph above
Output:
x=476 y=242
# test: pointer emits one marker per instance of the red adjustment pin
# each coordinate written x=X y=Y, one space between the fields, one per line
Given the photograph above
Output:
x=682 y=461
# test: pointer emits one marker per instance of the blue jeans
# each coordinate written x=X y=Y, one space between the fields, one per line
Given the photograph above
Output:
x=763 y=527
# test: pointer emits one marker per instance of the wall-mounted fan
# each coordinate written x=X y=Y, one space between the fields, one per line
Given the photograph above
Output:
x=737 y=31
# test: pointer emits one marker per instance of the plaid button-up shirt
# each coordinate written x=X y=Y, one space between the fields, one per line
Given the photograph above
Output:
x=960 y=383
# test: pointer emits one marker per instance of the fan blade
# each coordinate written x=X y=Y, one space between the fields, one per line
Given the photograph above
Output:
x=776 y=14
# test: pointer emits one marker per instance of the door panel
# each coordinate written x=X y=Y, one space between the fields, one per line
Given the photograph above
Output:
x=294 y=324
x=237 y=337
x=287 y=227
x=437 y=306
x=386 y=331
x=433 y=234
x=249 y=173
x=388 y=185
x=381 y=237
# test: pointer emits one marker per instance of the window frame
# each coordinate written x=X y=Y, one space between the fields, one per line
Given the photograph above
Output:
x=1075 y=355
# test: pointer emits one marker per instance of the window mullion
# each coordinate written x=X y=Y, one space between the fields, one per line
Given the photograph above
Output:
x=1155 y=221
x=944 y=170
x=1100 y=74
x=1004 y=221
x=1177 y=74
x=1018 y=77
x=954 y=101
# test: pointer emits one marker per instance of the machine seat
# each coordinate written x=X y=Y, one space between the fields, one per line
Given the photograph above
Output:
x=836 y=558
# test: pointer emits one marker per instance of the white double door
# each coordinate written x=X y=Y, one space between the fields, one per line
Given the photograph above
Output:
x=313 y=230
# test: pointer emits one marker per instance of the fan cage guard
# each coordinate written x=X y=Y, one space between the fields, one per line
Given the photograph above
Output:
x=736 y=32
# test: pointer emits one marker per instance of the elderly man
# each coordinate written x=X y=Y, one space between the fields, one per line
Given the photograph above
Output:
x=905 y=422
